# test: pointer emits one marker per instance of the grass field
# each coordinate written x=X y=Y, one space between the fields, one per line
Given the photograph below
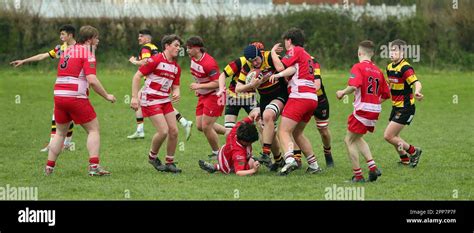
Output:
x=443 y=127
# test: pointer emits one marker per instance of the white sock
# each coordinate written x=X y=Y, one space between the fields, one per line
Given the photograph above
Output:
x=314 y=165
x=68 y=140
x=140 y=127
x=215 y=152
x=183 y=121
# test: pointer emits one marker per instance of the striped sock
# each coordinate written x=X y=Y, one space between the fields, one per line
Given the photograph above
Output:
x=358 y=173
x=312 y=161
x=411 y=150
x=289 y=157
x=50 y=163
x=404 y=158
x=267 y=148
x=152 y=155
x=169 y=159
x=327 y=151
x=297 y=155
x=277 y=158
x=371 y=164
x=94 y=161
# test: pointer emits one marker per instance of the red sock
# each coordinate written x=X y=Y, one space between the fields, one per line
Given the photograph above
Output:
x=169 y=159
x=358 y=173
x=267 y=148
x=51 y=163
x=94 y=160
x=152 y=155
x=411 y=150
x=371 y=164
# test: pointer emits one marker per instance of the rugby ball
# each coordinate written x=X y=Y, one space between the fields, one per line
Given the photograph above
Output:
x=253 y=74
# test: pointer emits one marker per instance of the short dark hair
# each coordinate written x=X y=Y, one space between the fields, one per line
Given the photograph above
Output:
x=368 y=46
x=87 y=32
x=296 y=35
x=399 y=43
x=168 y=39
x=69 y=29
x=196 y=41
x=145 y=32
x=247 y=132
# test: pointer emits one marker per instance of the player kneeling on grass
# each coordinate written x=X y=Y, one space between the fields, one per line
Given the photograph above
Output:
x=236 y=155
x=163 y=75
x=76 y=71
x=370 y=87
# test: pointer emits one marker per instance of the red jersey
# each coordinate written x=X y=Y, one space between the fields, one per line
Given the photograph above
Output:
x=161 y=75
x=235 y=155
x=205 y=70
x=301 y=84
x=75 y=63
x=371 y=87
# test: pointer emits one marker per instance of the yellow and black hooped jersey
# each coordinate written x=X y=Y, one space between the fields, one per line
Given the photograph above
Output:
x=147 y=50
x=232 y=70
x=267 y=68
x=401 y=77
x=317 y=75
x=57 y=51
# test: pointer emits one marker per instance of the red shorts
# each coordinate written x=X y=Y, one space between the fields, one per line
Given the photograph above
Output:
x=152 y=110
x=299 y=110
x=355 y=126
x=68 y=109
x=210 y=105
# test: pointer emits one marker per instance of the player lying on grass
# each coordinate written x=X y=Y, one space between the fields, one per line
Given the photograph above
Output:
x=163 y=78
x=147 y=50
x=369 y=87
x=402 y=78
x=236 y=155
x=66 y=35
x=76 y=72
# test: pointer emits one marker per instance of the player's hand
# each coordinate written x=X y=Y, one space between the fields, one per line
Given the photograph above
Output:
x=134 y=103
x=418 y=96
x=255 y=82
x=255 y=114
x=17 y=63
x=220 y=92
x=273 y=79
x=339 y=94
x=196 y=93
x=194 y=86
x=175 y=98
x=256 y=166
x=132 y=59
x=277 y=48
x=111 y=98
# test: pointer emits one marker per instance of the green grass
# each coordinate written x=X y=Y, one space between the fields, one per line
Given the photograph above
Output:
x=442 y=128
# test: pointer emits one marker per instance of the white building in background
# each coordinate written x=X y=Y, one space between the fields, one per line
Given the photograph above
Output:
x=189 y=8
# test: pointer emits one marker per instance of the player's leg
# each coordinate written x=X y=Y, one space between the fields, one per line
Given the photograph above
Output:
x=68 y=144
x=391 y=135
x=323 y=130
x=51 y=135
x=218 y=128
x=93 y=146
x=353 y=153
x=159 y=122
x=285 y=132
x=269 y=116
x=229 y=122
x=172 y=142
x=302 y=142
x=364 y=149
x=210 y=133
x=55 y=147
x=139 y=132
x=187 y=125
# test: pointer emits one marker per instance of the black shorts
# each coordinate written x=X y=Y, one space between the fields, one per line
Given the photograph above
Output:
x=266 y=99
x=233 y=105
x=322 y=111
x=402 y=116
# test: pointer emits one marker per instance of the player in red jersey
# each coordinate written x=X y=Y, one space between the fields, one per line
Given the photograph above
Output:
x=205 y=71
x=163 y=76
x=302 y=99
x=236 y=155
x=76 y=72
x=66 y=35
x=369 y=87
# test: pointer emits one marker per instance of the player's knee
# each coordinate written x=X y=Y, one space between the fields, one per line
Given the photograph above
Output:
x=268 y=117
x=388 y=137
x=173 y=132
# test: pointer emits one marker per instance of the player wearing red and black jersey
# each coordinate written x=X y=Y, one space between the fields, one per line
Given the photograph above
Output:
x=369 y=87
x=205 y=72
x=76 y=72
x=236 y=155
x=66 y=35
x=161 y=88
x=402 y=78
